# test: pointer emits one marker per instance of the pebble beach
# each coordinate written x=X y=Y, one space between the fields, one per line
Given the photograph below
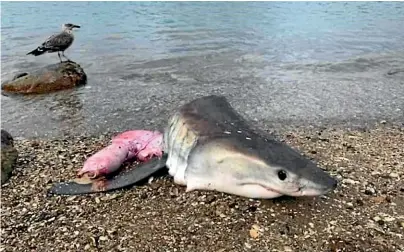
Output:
x=364 y=213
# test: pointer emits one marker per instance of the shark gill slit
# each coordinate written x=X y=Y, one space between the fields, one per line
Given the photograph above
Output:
x=184 y=149
x=174 y=145
x=171 y=139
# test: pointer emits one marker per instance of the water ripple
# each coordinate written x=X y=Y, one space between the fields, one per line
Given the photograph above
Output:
x=144 y=58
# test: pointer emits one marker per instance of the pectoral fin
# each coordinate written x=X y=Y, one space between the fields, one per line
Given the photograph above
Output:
x=122 y=180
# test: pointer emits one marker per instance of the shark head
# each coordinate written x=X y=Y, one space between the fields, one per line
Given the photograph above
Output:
x=273 y=171
x=212 y=147
x=297 y=176
x=285 y=170
x=280 y=169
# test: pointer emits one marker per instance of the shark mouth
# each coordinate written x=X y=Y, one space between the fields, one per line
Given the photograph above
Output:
x=297 y=192
x=265 y=187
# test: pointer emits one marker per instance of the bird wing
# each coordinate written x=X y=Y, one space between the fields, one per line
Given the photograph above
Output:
x=59 y=41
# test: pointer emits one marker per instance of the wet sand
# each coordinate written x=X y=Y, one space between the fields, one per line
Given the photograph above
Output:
x=365 y=212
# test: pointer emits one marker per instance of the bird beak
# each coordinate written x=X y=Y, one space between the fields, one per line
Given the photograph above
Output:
x=76 y=26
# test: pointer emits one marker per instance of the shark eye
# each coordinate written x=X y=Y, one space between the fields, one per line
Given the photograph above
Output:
x=282 y=175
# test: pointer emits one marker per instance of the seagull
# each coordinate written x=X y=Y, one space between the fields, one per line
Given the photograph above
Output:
x=57 y=42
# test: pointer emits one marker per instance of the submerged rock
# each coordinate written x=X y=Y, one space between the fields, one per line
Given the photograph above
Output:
x=9 y=156
x=48 y=79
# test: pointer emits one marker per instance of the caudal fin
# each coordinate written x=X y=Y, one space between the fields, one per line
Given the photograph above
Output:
x=38 y=51
x=124 y=179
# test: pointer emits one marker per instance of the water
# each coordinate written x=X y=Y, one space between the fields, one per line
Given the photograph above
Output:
x=291 y=62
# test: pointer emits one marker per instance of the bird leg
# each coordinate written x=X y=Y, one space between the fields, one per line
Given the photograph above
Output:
x=63 y=54
x=59 y=57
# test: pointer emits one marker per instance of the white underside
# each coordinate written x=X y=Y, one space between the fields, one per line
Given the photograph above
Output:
x=176 y=168
x=196 y=177
x=215 y=184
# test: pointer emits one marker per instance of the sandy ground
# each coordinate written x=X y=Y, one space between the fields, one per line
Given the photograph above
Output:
x=365 y=212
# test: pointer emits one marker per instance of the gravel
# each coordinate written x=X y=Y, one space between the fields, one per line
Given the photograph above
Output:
x=365 y=212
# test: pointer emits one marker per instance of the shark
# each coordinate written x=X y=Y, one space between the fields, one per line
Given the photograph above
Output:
x=208 y=145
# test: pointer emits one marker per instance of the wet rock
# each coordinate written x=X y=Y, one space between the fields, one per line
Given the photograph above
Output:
x=9 y=156
x=48 y=79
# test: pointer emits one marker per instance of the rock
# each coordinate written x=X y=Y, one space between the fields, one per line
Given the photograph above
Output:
x=389 y=219
x=378 y=200
x=255 y=231
x=287 y=249
x=349 y=181
x=6 y=139
x=48 y=79
x=370 y=191
x=393 y=175
x=9 y=156
x=103 y=238
x=378 y=220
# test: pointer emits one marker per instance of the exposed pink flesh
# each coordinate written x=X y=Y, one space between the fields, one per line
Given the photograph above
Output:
x=142 y=144
x=105 y=161
x=154 y=148
x=134 y=136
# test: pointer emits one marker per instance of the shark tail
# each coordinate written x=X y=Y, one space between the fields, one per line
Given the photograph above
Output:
x=122 y=180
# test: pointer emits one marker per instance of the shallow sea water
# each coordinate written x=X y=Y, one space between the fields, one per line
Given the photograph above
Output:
x=277 y=63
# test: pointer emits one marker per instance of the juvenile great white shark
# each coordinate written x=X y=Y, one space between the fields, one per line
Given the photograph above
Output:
x=209 y=146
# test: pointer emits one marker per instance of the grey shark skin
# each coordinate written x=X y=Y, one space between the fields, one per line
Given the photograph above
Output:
x=209 y=146
x=212 y=147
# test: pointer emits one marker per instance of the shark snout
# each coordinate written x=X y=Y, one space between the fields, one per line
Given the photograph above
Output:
x=327 y=182
x=317 y=182
x=333 y=184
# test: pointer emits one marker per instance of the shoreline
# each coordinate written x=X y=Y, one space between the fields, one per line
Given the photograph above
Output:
x=276 y=128
x=354 y=93
x=365 y=212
